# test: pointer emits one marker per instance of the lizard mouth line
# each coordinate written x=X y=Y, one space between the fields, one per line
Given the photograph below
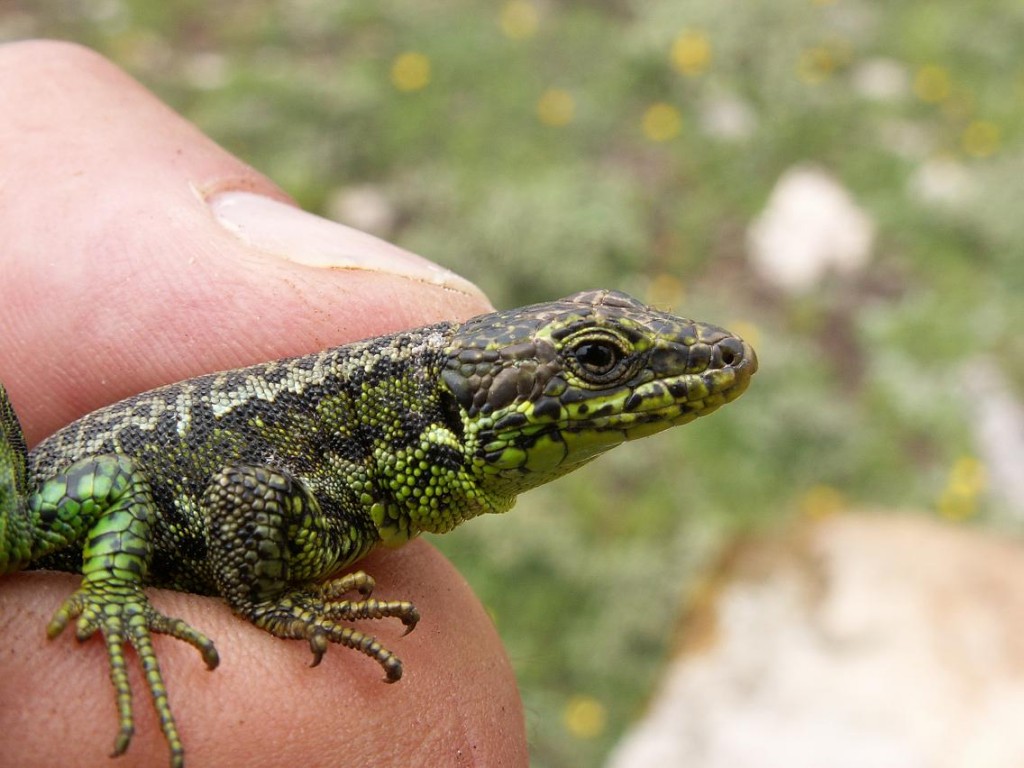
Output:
x=646 y=409
x=600 y=430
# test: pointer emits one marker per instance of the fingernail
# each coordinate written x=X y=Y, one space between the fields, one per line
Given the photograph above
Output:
x=293 y=234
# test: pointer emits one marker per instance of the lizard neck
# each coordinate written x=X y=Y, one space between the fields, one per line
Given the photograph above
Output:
x=433 y=487
x=390 y=423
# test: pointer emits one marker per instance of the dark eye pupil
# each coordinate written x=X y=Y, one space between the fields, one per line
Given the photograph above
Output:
x=597 y=357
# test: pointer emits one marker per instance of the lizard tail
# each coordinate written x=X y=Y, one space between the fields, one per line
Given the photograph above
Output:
x=13 y=453
x=14 y=537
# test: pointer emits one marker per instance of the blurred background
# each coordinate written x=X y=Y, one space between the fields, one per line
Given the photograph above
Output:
x=839 y=181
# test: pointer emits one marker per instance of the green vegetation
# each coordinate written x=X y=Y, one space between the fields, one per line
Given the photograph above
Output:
x=544 y=147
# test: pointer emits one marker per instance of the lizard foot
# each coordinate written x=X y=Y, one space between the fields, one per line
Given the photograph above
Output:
x=313 y=615
x=122 y=613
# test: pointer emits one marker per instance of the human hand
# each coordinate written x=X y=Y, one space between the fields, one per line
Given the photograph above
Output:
x=137 y=252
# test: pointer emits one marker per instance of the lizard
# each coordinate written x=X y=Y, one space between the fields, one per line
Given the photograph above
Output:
x=260 y=485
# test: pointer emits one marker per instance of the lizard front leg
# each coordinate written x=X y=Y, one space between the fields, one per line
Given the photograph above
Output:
x=271 y=543
x=109 y=502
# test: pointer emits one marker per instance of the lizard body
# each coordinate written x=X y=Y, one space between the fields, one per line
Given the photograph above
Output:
x=260 y=484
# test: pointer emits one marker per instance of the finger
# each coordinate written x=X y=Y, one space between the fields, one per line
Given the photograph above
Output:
x=264 y=705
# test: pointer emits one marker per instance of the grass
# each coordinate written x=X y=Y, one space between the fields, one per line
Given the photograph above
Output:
x=541 y=147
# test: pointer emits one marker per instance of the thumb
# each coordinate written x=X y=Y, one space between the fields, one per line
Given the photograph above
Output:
x=137 y=252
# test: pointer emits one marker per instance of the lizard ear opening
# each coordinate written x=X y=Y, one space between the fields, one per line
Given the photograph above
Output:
x=457 y=388
x=452 y=413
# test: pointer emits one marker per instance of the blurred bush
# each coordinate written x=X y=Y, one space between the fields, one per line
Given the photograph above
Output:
x=541 y=147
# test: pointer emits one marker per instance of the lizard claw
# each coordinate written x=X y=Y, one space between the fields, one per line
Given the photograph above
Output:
x=120 y=611
x=314 y=616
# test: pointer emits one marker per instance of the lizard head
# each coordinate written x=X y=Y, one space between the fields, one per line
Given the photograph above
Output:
x=543 y=389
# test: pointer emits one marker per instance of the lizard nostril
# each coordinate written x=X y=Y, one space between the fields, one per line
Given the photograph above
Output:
x=728 y=352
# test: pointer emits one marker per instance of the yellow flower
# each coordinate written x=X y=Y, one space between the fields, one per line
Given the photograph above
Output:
x=662 y=122
x=932 y=84
x=691 y=53
x=981 y=138
x=967 y=481
x=585 y=717
x=410 y=71
x=816 y=64
x=820 y=501
x=519 y=19
x=556 y=107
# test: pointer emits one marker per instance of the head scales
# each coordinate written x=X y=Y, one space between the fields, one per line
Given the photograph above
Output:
x=545 y=388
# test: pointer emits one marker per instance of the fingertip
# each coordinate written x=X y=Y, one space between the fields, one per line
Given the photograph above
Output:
x=289 y=233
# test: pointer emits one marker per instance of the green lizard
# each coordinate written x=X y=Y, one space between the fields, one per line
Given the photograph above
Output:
x=260 y=484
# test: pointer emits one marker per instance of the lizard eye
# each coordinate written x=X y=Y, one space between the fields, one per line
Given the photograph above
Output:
x=598 y=360
x=598 y=357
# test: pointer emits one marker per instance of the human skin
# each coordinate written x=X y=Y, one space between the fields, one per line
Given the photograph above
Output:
x=130 y=260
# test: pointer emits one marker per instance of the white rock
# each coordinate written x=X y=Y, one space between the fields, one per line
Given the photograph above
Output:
x=998 y=431
x=861 y=642
x=881 y=79
x=726 y=117
x=810 y=227
x=906 y=138
x=942 y=183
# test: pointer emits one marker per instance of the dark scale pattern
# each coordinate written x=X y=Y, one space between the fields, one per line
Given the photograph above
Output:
x=259 y=484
